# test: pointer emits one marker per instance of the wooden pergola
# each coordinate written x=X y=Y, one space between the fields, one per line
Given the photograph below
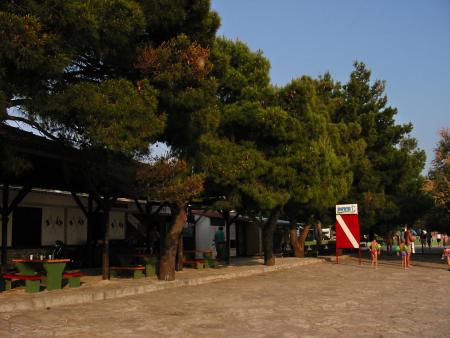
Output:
x=54 y=166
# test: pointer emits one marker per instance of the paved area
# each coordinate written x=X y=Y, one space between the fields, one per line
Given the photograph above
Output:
x=319 y=300
x=95 y=289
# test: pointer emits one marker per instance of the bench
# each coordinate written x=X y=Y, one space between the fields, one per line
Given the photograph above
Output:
x=211 y=263
x=138 y=271
x=32 y=283
x=73 y=278
x=195 y=263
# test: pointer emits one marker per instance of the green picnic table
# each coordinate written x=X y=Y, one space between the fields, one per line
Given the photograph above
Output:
x=149 y=261
x=54 y=269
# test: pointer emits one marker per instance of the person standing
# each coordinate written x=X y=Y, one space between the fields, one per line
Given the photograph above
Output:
x=423 y=239
x=59 y=250
x=219 y=240
x=438 y=239
x=318 y=236
x=374 y=248
x=403 y=251
x=429 y=239
x=446 y=253
x=409 y=240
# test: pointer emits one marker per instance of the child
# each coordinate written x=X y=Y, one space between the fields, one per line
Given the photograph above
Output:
x=374 y=248
x=404 y=251
x=446 y=253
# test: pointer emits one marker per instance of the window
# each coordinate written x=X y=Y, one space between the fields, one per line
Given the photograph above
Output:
x=26 y=227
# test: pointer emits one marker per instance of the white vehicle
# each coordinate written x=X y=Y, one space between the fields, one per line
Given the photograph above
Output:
x=326 y=233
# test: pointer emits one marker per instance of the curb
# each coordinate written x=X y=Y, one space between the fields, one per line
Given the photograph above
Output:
x=88 y=295
x=333 y=258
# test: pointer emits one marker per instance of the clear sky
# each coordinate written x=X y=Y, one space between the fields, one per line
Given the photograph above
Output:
x=405 y=42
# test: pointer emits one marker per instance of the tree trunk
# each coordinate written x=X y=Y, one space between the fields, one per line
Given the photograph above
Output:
x=294 y=238
x=269 y=229
x=300 y=242
x=168 y=257
x=180 y=256
x=371 y=234
x=318 y=236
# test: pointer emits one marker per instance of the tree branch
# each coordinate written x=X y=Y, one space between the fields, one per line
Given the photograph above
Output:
x=32 y=124
x=17 y=102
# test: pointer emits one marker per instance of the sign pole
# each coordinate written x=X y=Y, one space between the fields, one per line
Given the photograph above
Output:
x=359 y=255
x=337 y=256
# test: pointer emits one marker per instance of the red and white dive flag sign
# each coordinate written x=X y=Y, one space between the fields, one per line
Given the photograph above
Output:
x=347 y=226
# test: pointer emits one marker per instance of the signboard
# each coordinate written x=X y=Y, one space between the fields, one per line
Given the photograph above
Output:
x=347 y=226
x=346 y=209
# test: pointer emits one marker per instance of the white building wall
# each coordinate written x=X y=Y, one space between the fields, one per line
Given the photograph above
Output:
x=53 y=225
x=117 y=225
x=76 y=227
x=62 y=219
x=204 y=236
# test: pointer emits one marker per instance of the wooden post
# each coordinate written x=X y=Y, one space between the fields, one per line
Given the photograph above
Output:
x=105 y=254
x=227 y=223
x=147 y=216
x=107 y=202
x=90 y=245
x=89 y=212
x=5 y=220
x=6 y=209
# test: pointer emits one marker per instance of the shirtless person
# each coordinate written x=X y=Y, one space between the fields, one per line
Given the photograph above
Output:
x=409 y=239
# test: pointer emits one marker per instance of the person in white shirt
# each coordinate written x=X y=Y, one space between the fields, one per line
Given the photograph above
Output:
x=438 y=238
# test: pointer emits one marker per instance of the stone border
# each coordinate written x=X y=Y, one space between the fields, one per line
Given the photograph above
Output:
x=82 y=295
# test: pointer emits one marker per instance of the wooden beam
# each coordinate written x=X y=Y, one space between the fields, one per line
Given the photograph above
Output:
x=20 y=196
x=139 y=206
x=79 y=203
x=235 y=218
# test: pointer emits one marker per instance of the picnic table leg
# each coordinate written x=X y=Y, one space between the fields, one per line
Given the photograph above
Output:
x=150 y=269
x=74 y=281
x=210 y=263
x=25 y=269
x=54 y=275
x=138 y=274
x=5 y=284
x=32 y=286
